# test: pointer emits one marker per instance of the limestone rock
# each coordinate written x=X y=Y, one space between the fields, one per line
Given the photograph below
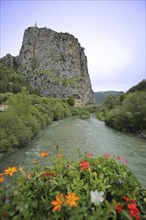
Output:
x=55 y=64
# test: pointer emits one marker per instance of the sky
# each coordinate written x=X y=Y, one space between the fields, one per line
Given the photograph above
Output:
x=112 y=32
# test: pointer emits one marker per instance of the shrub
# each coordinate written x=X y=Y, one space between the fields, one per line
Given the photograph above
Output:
x=90 y=188
x=71 y=100
x=84 y=114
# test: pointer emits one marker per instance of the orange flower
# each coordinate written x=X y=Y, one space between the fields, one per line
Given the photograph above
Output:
x=58 y=202
x=43 y=154
x=2 y=179
x=1 y=174
x=10 y=171
x=72 y=199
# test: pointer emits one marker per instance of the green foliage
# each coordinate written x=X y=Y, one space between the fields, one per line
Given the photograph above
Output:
x=126 y=112
x=84 y=114
x=71 y=100
x=111 y=101
x=101 y=112
x=100 y=97
x=26 y=115
x=139 y=87
x=5 y=96
x=10 y=80
x=71 y=81
x=131 y=115
x=43 y=193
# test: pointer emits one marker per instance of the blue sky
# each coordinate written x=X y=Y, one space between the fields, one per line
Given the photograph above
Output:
x=112 y=33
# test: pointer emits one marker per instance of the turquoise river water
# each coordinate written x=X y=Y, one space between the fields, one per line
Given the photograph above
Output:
x=91 y=135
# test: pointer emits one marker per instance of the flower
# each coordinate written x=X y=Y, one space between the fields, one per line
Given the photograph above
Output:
x=43 y=154
x=29 y=175
x=84 y=165
x=58 y=203
x=35 y=161
x=126 y=162
x=119 y=158
x=2 y=179
x=97 y=197
x=43 y=175
x=1 y=174
x=133 y=210
x=106 y=156
x=6 y=202
x=119 y=208
x=89 y=155
x=126 y=198
x=48 y=174
x=72 y=199
x=10 y=171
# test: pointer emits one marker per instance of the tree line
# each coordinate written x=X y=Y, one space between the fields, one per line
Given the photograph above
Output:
x=125 y=112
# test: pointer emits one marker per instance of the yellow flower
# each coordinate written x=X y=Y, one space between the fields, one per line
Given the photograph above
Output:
x=58 y=202
x=2 y=179
x=10 y=171
x=72 y=199
x=43 y=154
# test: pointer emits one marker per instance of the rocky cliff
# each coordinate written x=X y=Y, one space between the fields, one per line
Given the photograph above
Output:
x=55 y=64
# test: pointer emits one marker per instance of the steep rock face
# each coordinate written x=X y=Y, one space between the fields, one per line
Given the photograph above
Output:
x=55 y=64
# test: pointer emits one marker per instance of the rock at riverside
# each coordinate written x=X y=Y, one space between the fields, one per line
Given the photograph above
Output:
x=55 y=64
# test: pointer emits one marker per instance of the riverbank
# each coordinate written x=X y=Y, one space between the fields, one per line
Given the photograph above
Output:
x=73 y=134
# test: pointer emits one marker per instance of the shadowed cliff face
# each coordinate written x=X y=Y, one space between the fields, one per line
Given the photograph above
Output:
x=55 y=64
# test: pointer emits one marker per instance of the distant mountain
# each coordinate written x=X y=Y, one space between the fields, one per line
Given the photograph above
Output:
x=141 y=86
x=101 y=96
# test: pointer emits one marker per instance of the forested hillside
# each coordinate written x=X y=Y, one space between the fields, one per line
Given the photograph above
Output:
x=126 y=112
x=100 y=97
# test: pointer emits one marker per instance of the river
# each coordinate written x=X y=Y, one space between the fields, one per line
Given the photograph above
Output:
x=91 y=135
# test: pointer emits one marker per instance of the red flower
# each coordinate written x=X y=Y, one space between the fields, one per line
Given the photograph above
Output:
x=84 y=165
x=119 y=158
x=119 y=208
x=126 y=198
x=133 y=210
x=48 y=174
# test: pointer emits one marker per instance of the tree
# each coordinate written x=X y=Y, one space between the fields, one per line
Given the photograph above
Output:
x=71 y=100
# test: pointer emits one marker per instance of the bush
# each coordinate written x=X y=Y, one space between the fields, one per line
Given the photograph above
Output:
x=84 y=114
x=26 y=115
x=90 y=188
x=71 y=100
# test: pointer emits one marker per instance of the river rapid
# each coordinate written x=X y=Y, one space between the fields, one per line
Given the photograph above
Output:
x=90 y=135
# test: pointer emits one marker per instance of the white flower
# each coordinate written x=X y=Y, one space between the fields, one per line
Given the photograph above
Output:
x=97 y=197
